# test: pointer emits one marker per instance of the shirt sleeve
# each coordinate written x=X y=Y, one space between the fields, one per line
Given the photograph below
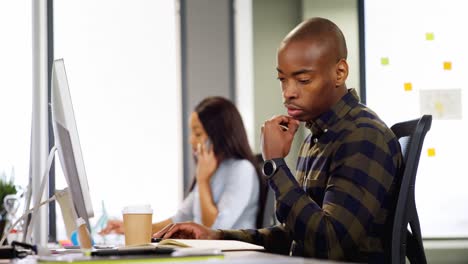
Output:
x=360 y=177
x=240 y=185
x=275 y=239
x=185 y=212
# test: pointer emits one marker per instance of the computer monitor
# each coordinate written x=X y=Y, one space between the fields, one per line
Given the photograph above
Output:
x=68 y=143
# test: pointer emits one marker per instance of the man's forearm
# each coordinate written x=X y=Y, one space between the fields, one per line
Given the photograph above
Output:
x=275 y=239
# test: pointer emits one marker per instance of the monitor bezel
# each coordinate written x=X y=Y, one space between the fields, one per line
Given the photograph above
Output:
x=68 y=144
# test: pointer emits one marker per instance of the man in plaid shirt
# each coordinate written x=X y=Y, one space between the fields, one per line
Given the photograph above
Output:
x=340 y=202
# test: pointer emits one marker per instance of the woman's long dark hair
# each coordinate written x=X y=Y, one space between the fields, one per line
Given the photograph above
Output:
x=223 y=125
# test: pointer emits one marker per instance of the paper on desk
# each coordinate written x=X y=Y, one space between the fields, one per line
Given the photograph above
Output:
x=186 y=252
x=171 y=243
x=224 y=245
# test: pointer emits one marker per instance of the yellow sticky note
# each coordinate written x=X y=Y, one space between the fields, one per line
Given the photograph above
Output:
x=447 y=65
x=408 y=86
x=429 y=36
x=439 y=107
x=431 y=152
x=384 y=61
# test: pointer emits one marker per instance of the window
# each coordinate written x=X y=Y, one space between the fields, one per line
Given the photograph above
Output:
x=121 y=60
x=15 y=89
x=416 y=64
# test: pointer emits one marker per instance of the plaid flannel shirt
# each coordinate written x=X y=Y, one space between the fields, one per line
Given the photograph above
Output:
x=337 y=205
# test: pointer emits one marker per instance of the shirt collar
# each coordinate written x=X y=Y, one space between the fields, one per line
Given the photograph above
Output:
x=334 y=114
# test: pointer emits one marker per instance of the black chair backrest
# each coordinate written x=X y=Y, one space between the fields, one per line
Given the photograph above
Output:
x=266 y=210
x=404 y=242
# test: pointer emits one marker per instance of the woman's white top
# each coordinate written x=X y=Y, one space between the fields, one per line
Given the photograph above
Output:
x=235 y=190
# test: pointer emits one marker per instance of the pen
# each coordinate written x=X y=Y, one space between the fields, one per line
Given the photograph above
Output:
x=284 y=127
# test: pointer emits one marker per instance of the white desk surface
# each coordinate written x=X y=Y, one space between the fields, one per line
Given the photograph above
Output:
x=234 y=257
x=247 y=257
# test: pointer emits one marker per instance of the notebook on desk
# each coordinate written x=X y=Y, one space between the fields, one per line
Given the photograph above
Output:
x=168 y=246
x=223 y=245
x=147 y=253
x=140 y=259
x=168 y=249
x=133 y=251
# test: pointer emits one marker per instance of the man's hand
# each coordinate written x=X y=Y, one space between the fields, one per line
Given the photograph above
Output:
x=277 y=136
x=188 y=230
x=113 y=226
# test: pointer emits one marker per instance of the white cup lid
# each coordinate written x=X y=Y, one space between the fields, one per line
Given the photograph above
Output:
x=138 y=209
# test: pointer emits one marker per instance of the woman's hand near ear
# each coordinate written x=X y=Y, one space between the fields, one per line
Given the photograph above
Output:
x=206 y=167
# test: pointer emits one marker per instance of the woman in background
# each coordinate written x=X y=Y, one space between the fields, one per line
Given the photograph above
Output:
x=225 y=193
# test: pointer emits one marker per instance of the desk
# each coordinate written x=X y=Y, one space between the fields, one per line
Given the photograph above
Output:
x=255 y=257
x=232 y=257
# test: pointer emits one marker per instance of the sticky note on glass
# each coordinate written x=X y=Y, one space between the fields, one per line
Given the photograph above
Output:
x=431 y=152
x=408 y=86
x=439 y=107
x=384 y=61
x=447 y=65
x=429 y=36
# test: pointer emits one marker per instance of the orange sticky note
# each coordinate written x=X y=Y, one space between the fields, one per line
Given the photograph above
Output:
x=431 y=152
x=408 y=86
x=447 y=65
x=384 y=61
x=429 y=36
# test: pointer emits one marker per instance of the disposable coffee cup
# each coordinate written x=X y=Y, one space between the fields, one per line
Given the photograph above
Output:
x=137 y=224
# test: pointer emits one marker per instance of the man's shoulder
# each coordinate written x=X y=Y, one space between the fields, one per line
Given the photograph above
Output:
x=362 y=126
x=363 y=119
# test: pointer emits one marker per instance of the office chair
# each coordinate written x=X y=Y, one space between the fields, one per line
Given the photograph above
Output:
x=404 y=242
x=266 y=214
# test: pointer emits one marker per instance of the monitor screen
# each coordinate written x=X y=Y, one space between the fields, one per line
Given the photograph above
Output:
x=68 y=143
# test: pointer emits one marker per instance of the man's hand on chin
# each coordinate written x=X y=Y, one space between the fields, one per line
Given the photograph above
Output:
x=277 y=136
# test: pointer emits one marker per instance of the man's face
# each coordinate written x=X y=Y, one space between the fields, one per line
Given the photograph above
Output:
x=307 y=76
